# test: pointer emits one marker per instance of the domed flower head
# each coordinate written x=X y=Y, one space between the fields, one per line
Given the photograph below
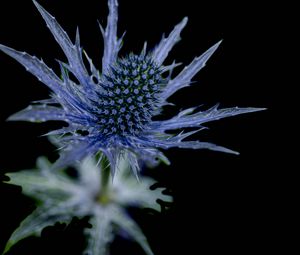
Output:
x=112 y=111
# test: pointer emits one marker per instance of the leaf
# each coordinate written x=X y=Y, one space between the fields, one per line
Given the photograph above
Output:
x=36 y=67
x=138 y=193
x=43 y=183
x=127 y=224
x=111 y=44
x=100 y=233
x=162 y=50
x=72 y=52
x=183 y=79
x=187 y=118
x=36 y=222
x=39 y=113
x=175 y=142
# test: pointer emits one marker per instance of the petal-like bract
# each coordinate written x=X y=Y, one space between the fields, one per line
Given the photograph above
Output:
x=112 y=110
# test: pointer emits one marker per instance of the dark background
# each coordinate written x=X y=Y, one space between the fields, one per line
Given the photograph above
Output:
x=223 y=203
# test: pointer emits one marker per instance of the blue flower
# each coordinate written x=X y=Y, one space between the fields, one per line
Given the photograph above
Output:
x=112 y=111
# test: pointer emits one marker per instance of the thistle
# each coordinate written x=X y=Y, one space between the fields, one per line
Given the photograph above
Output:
x=60 y=198
x=112 y=111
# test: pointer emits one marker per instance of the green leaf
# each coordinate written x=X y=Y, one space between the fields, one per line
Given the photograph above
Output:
x=132 y=192
x=33 y=224
x=100 y=234
x=43 y=181
x=121 y=219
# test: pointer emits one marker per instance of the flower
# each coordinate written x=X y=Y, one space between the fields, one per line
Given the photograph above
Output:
x=61 y=197
x=113 y=111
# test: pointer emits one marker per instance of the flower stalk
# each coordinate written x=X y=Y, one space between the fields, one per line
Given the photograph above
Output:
x=106 y=182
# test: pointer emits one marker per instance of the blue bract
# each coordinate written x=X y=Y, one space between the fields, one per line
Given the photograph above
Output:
x=112 y=111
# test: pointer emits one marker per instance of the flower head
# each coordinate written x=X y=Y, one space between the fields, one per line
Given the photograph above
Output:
x=60 y=198
x=130 y=96
x=112 y=111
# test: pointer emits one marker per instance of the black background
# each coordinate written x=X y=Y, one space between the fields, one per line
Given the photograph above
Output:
x=223 y=203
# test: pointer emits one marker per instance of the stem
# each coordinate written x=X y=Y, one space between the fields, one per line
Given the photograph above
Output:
x=105 y=182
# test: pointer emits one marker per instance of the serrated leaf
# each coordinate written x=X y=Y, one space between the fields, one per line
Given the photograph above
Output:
x=62 y=198
x=100 y=234
x=138 y=193
x=33 y=224
x=123 y=221
x=36 y=183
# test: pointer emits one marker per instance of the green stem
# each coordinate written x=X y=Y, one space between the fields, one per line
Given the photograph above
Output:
x=105 y=182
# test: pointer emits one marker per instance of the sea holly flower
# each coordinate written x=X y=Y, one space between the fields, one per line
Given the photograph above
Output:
x=112 y=111
x=61 y=197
